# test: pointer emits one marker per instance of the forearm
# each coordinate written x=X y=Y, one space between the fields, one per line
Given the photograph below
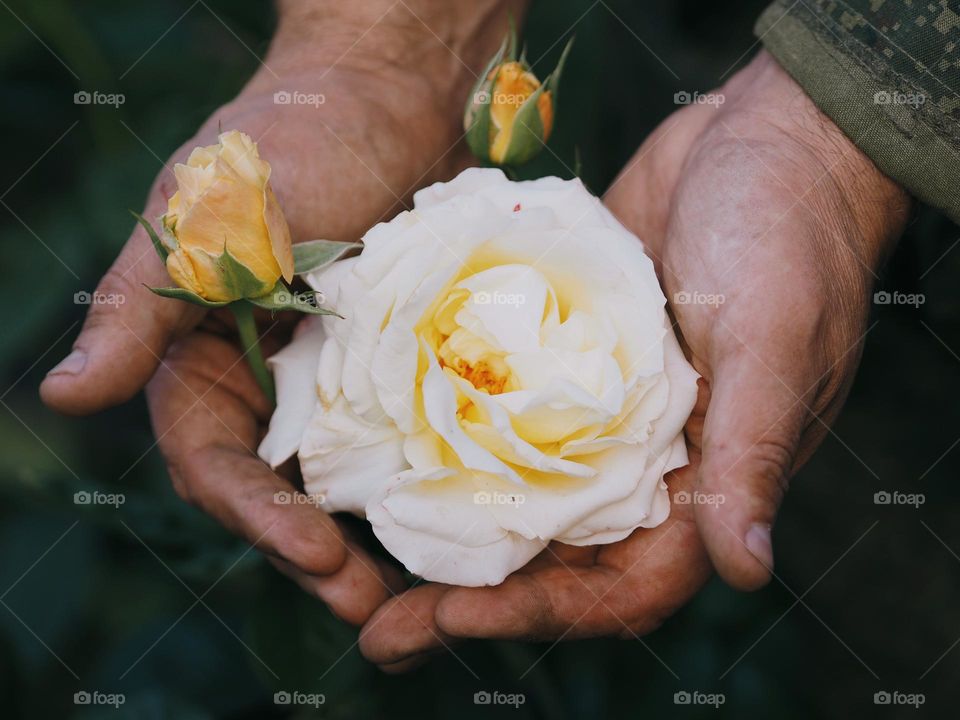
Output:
x=449 y=40
x=888 y=77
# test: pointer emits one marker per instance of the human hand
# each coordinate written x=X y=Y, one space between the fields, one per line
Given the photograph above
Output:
x=625 y=589
x=765 y=204
x=768 y=226
x=393 y=79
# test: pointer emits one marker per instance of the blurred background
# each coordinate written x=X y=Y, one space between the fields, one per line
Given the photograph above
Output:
x=155 y=601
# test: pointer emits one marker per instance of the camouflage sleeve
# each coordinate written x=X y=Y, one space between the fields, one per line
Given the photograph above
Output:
x=888 y=73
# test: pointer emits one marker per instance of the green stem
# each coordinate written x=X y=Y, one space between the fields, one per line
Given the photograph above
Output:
x=249 y=341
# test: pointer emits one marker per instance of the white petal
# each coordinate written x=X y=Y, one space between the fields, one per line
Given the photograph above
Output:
x=647 y=506
x=438 y=532
x=496 y=434
x=505 y=307
x=294 y=372
x=394 y=367
x=346 y=459
x=440 y=407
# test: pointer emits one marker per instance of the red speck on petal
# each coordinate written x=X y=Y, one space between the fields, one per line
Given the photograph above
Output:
x=516 y=208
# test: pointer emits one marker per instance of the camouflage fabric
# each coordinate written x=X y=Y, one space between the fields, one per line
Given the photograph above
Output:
x=888 y=73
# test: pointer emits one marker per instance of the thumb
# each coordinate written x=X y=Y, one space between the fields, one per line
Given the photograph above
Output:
x=126 y=331
x=751 y=435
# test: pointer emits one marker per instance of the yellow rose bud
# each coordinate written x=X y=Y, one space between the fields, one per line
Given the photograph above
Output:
x=227 y=236
x=512 y=87
x=509 y=118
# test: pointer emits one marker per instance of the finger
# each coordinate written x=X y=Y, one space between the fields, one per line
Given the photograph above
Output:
x=204 y=404
x=405 y=627
x=568 y=602
x=404 y=666
x=750 y=439
x=633 y=587
x=126 y=331
x=353 y=593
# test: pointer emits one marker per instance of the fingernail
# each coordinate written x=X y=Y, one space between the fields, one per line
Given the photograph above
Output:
x=72 y=364
x=758 y=543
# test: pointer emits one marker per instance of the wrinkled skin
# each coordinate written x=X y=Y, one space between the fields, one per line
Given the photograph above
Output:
x=394 y=78
x=764 y=202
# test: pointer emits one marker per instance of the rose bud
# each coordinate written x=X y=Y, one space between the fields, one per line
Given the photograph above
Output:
x=509 y=117
x=225 y=232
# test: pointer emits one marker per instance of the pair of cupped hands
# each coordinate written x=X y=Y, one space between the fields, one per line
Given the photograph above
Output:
x=760 y=202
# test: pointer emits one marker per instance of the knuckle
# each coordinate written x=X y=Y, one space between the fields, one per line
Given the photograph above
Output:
x=771 y=460
x=189 y=469
x=113 y=292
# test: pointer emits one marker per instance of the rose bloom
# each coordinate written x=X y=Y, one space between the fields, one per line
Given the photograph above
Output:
x=505 y=375
x=224 y=204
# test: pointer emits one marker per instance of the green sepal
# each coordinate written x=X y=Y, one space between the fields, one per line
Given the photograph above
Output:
x=511 y=39
x=154 y=238
x=179 y=293
x=476 y=118
x=315 y=254
x=526 y=138
x=237 y=278
x=281 y=298
x=552 y=82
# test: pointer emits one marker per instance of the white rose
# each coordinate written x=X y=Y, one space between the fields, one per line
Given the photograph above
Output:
x=505 y=375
